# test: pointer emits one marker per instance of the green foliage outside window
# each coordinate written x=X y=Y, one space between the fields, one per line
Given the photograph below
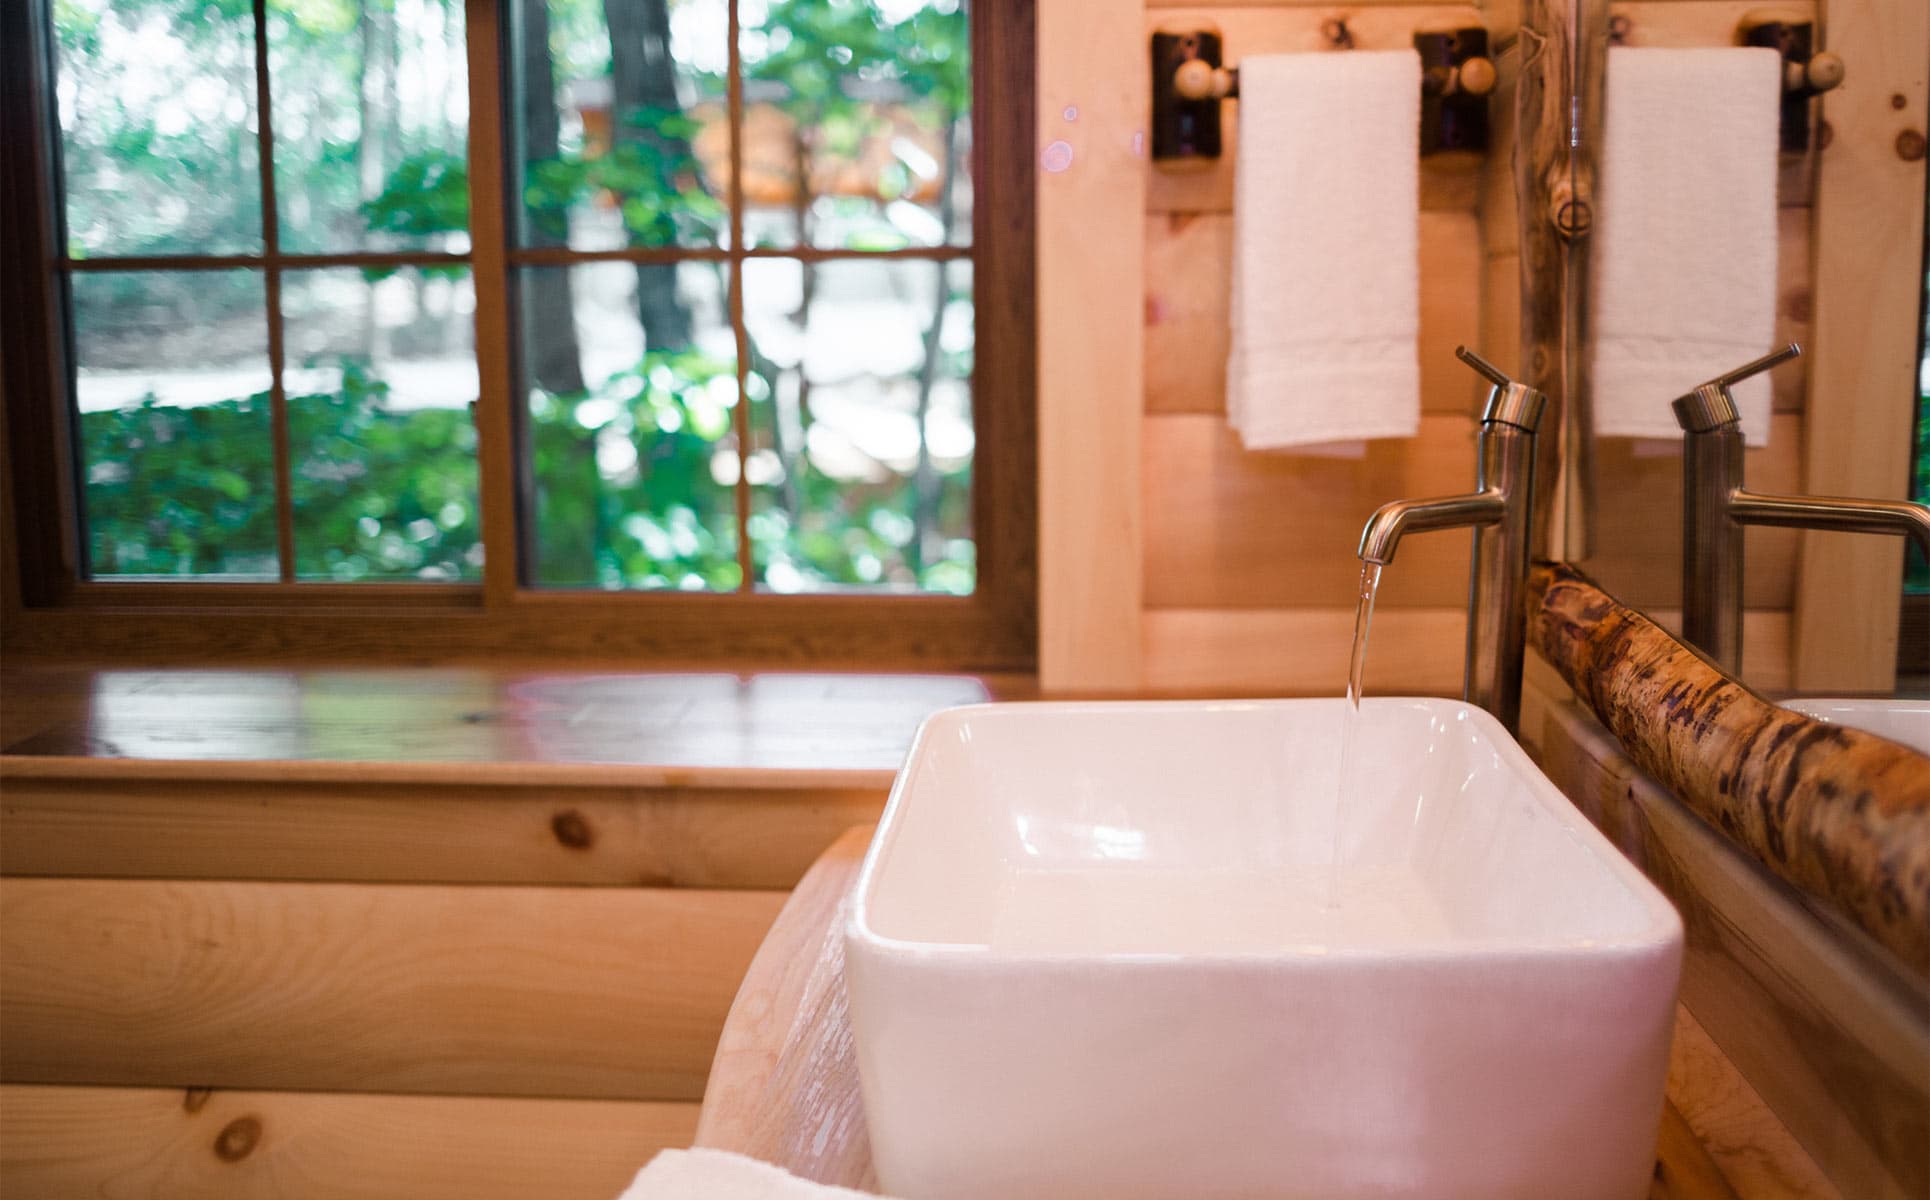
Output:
x=385 y=491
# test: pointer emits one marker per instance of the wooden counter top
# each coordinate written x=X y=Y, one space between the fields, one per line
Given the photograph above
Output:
x=784 y=1085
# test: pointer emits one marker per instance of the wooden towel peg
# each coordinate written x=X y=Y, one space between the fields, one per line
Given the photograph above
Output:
x=1807 y=72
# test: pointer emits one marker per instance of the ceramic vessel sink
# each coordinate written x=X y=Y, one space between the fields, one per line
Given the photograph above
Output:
x=1906 y=721
x=1091 y=955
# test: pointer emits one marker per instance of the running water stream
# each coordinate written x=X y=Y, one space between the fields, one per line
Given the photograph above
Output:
x=1344 y=788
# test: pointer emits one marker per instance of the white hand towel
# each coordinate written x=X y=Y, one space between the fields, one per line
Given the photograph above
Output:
x=1326 y=210
x=717 y=1175
x=1685 y=250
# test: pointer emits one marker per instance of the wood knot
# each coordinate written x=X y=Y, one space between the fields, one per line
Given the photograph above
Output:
x=1825 y=134
x=1909 y=146
x=196 y=1099
x=237 y=1139
x=572 y=830
x=1898 y=100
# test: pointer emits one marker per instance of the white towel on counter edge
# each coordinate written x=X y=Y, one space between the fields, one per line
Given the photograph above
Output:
x=719 y=1175
x=1684 y=268
x=1325 y=307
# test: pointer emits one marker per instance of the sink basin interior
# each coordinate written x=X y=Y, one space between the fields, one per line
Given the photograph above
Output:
x=1189 y=828
x=1905 y=721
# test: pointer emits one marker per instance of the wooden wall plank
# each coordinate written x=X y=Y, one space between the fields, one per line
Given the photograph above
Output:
x=1301 y=651
x=1189 y=260
x=83 y=1143
x=1226 y=528
x=1863 y=363
x=587 y=992
x=1449 y=182
x=1753 y=1148
x=1091 y=284
x=657 y=837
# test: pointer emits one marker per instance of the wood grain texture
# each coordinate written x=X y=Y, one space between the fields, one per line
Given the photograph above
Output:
x=1093 y=97
x=784 y=1084
x=484 y=725
x=1840 y=814
x=787 y=1091
x=1188 y=268
x=1229 y=528
x=1301 y=652
x=84 y=1143
x=1753 y=1149
x=1449 y=182
x=416 y=833
x=1804 y=1014
x=583 y=992
x=1863 y=358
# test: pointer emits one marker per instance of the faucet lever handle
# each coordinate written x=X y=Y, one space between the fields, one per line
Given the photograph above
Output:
x=1709 y=406
x=1482 y=366
x=1774 y=358
x=1510 y=403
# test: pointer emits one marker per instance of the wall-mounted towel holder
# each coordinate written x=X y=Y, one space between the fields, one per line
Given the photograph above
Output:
x=1190 y=79
x=1806 y=72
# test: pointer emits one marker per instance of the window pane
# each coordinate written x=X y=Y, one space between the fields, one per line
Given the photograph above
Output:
x=857 y=131
x=176 y=453
x=845 y=490
x=157 y=123
x=380 y=373
x=371 y=122
x=631 y=377
x=620 y=123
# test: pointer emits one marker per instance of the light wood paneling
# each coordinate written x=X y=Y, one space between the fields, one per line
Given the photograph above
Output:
x=1188 y=266
x=1301 y=651
x=82 y=1143
x=1091 y=189
x=1748 y=1143
x=1863 y=364
x=655 y=837
x=1449 y=182
x=1230 y=529
x=586 y=992
x=1824 y=1025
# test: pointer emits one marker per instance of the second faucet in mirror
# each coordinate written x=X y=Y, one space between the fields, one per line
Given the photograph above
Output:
x=1716 y=506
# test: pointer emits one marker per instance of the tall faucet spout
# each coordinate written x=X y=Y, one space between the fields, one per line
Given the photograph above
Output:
x=1396 y=519
x=1834 y=512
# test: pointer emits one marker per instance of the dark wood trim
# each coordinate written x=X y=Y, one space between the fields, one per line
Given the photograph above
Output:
x=42 y=538
x=287 y=262
x=655 y=629
x=60 y=616
x=558 y=256
x=1913 y=636
x=499 y=469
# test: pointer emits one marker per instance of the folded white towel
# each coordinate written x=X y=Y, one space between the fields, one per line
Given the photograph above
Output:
x=1685 y=249
x=1326 y=209
x=718 y=1175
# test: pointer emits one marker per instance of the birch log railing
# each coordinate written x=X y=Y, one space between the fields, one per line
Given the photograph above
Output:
x=1841 y=814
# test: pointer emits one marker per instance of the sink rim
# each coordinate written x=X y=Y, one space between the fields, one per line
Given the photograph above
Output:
x=1661 y=929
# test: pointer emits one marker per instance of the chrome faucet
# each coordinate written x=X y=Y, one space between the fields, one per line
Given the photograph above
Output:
x=1499 y=511
x=1715 y=507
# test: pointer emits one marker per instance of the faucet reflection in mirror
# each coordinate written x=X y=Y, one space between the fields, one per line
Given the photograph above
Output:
x=1499 y=511
x=1716 y=506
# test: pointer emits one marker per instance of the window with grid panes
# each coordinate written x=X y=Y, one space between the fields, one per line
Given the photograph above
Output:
x=723 y=252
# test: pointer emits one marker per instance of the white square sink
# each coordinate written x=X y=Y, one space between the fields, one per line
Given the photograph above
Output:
x=1905 y=721
x=1091 y=955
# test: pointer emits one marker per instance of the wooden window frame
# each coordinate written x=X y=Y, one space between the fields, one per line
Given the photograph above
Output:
x=50 y=609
